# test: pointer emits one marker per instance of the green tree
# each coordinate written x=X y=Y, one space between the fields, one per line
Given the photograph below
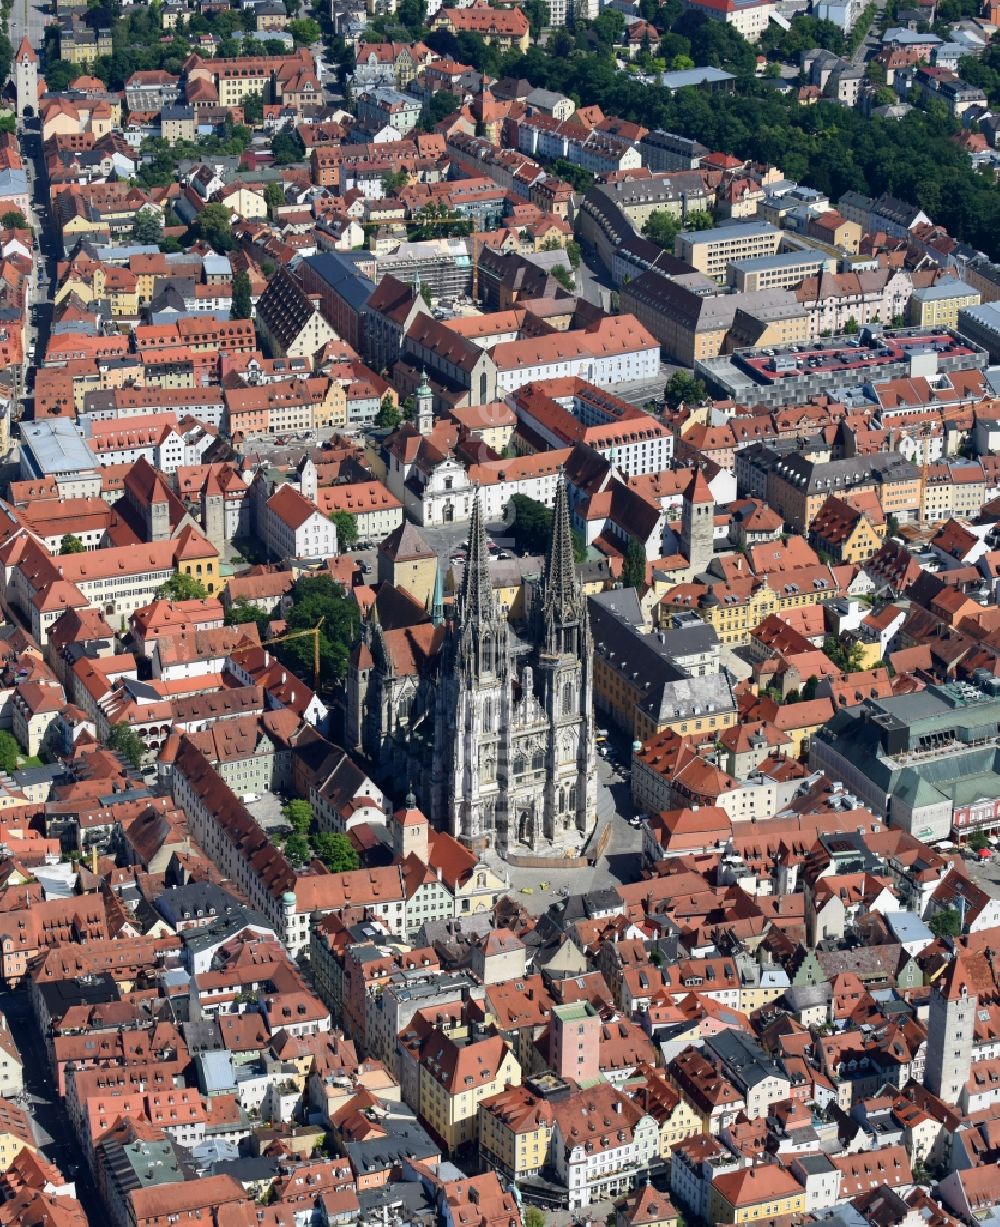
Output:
x=578 y=178
x=574 y=254
x=662 y=227
x=274 y=197
x=531 y=526
x=305 y=32
x=394 y=180
x=533 y=1217
x=537 y=13
x=852 y=326
x=287 y=148
x=147 y=227
x=242 y=308
x=978 y=841
x=126 y=741
x=14 y=219
x=439 y=106
x=336 y=852
x=388 y=416
x=9 y=752
x=634 y=569
x=809 y=688
x=182 y=587
x=699 y=219
x=946 y=923
x=253 y=109
x=563 y=276
x=59 y=75
x=318 y=597
x=297 y=848
x=214 y=225
x=299 y=815
x=848 y=657
x=71 y=544
x=579 y=545
x=242 y=612
x=609 y=26
x=347 y=528
x=684 y=388
x=412 y=14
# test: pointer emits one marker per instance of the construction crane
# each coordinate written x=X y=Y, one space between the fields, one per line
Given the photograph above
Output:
x=314 y=631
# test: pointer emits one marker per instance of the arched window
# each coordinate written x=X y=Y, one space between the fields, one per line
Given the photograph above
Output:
x=488 y=716
x=572 y=797
x=567 y=700
x=537 y=761
x=519 y=764
x=487 y=654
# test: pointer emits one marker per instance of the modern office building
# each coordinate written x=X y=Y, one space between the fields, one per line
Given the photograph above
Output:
x=928 y=761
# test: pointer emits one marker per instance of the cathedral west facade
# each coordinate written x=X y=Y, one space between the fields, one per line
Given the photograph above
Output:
x=493 y=727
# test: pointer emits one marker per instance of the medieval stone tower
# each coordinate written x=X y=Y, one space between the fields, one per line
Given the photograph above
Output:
x=514 y=760
x=950 y=1031
x=698 y=523
x=26 y=79
x=213 y=511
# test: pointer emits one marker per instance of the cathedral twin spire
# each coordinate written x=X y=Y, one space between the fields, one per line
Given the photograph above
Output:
x=478 y=603
x=561 y=585
x=561 y=589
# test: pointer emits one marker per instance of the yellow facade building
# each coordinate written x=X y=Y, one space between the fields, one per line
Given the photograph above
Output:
x=455 y=1078
x=938 y=305
x=515 y=1129
x=755 y=1194
x=197 y=557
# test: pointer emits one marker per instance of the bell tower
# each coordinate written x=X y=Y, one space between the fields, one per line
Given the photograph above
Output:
x=425 y=406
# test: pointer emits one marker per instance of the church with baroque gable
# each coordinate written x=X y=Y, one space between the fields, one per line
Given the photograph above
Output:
x=494 y=726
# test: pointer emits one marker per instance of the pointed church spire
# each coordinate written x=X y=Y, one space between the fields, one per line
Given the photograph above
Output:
x=477 y=589
x=379 y=647
x=437 y=598
x=560 y=567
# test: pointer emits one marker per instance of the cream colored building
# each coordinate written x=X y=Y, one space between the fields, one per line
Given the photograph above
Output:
x=711 y=251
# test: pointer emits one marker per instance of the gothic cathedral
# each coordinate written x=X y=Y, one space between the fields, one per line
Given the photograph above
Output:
x=514 y=759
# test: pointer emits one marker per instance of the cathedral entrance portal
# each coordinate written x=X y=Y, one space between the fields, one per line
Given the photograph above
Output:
x=523 y=827
x=448 y=514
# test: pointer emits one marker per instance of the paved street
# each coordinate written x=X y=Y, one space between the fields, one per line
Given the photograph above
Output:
x=27 y=17
x=869 y=43
x=592 y=283
x=985 y=874
x=52 y=1128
